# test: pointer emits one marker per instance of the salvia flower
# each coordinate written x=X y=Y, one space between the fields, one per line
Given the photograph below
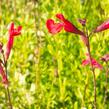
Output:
x=102 y=27
x=12 y=33
x=54 y=27
x=64 y=23
x=94 y=63
x=105 y=58
x=3 y=75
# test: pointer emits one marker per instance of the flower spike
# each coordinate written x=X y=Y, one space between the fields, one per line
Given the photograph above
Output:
x=12 y=33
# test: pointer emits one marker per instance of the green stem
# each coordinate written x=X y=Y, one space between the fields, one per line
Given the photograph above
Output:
x=106 y=85
x=85 y=88
x=93 y=71
x=7 y=87
x=9 y=97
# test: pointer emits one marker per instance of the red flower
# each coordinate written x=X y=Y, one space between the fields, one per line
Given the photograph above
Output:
x=12 y=33
x=54 y=27
x=2 y=73
x=102 y=27
x=57 y=27
x=60 y=16
x=94 y=63
x=105 y=57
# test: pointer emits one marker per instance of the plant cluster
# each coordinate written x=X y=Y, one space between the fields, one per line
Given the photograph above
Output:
x=54 y=28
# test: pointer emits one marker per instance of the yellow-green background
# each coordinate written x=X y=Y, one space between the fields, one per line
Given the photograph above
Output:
x=37 y=55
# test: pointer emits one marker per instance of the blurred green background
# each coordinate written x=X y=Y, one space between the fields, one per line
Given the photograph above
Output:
x=45 y=71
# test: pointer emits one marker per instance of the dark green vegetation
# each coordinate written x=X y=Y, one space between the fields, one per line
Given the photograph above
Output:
x=45 y=71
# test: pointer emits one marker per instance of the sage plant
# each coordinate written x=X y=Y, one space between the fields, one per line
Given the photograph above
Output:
x=13 y=32
x=65 y=24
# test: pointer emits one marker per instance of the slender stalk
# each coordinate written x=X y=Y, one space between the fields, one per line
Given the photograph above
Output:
x=85 y=88
x=106 y=85
x=9 y=97
x=94 y=80
x=7 y=87
x=93 y=71
x=8 y=91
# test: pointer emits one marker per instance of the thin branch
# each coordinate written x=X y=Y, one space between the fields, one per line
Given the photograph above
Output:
x=7 y=87
x=106 y=85
x=93 y=71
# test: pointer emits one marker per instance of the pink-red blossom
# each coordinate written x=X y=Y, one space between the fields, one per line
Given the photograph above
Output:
x=94 y=63
x=64 y=23
x=54 y=27
x=102 y=27
x=3 y=75
x=12 y=33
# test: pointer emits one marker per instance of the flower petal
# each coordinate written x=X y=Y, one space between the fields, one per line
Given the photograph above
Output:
x=96 y=64
x=85 y=62
x=54 y=27
x=9 y=47
x=60 y=16
x=14 y=31
x=11 y=27
x=17 y=31
x=19 y=28
x=102 y=27
x=69 y=27
x=2 y=73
